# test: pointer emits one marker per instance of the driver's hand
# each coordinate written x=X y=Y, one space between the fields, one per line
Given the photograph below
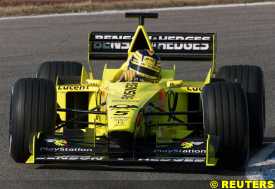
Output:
x=128 y=75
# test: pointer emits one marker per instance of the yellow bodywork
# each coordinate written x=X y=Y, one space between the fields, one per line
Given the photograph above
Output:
x=124 y=119
x=113 y=91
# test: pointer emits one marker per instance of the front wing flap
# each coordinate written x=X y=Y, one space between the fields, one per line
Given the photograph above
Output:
x=58 y=149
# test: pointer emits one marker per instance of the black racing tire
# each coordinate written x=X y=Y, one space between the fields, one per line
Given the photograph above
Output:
x=225 y=115
x=69 y=72
x=32 y=110
x=252 y=81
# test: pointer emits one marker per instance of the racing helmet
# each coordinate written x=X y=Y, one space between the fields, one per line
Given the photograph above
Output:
x=146 y=64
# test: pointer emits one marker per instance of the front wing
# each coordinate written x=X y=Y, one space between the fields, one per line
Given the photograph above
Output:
x=62 y=149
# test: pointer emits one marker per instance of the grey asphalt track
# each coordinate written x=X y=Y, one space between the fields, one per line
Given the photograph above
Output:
x=246 y=35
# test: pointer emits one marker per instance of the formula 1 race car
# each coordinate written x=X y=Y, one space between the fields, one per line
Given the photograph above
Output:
x=66 y=115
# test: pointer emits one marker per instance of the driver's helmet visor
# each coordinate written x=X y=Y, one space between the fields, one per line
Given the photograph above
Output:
x=146 y=64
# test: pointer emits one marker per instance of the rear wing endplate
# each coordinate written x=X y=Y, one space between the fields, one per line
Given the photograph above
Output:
x=169 y=46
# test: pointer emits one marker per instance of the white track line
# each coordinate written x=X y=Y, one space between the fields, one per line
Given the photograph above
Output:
x=259 y=163
x=139 y=10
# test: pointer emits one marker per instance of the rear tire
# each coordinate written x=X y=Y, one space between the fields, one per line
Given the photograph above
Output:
x=68 y=72
x=32 y=110
x=226 y=116
x=252 y=82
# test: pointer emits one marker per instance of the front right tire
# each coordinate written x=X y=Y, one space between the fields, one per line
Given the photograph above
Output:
x=32 y=110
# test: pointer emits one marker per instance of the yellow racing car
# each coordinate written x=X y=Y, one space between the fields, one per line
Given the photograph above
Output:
x=66 y=115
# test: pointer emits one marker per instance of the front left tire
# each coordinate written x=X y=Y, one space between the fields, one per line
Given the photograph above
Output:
x=225 y=116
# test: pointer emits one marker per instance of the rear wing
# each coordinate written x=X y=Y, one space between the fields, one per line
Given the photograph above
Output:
x=169 y=46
